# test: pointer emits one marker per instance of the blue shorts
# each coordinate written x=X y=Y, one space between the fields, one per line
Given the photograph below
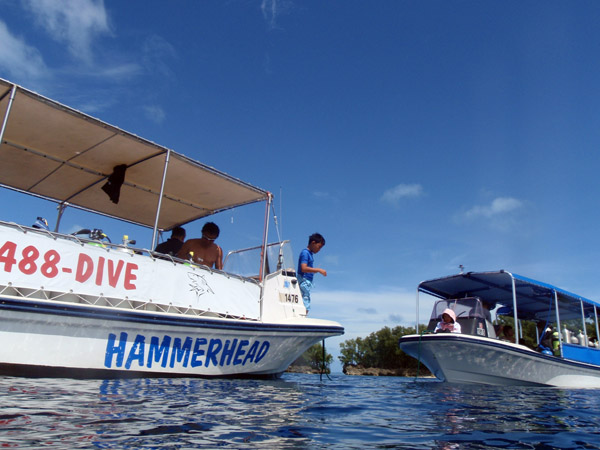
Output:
x=305 y=288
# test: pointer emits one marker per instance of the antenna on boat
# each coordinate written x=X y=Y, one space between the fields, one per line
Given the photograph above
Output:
x=276 y=223
x=278 y=230
x=276 y=220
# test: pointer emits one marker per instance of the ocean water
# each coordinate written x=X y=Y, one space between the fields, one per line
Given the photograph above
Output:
x=298 y=411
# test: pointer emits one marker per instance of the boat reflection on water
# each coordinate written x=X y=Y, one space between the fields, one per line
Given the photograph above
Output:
x=198 y=411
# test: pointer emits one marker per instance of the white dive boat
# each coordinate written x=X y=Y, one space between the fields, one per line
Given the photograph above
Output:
x=79 y=307
x=560 y=328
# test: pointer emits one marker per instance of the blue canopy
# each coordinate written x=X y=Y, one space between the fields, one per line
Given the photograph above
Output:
x=535 y=299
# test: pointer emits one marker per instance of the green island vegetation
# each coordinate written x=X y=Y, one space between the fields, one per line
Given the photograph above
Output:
x=377 y=354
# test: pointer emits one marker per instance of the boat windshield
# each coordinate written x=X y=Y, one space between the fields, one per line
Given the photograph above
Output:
x=472 y=313
x=470 y=307
x=246 y=262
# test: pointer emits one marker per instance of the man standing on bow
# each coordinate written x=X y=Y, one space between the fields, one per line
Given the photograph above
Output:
x=306 y=269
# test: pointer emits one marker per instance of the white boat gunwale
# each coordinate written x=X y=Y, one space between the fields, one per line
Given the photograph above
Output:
x=39 y=306
x=504 y=345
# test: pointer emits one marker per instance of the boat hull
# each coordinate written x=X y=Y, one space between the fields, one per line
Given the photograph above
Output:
x=45 y=338
x=457 y=358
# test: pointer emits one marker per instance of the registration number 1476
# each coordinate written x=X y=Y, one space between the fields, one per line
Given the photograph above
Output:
x=285 y=297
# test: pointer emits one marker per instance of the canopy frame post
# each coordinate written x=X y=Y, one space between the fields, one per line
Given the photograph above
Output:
x=160 y=196
x=417 y=314
x=263 y=251
x=560 y=336
x=61 y=209
x=584 y=328
x=596 y=322
x=11 y=99
x=515 y=318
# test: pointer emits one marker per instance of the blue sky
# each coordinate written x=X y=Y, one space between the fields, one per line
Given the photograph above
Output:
x=414 y=135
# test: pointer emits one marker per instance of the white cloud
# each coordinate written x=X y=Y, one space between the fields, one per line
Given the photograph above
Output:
x=395 y=194
x=322 y=195
x=155 y=113
x=18 y=59
x=269 y=11
x=74 y=22
x=94 y=105
x=272 y=9
x=363 y=313
x=499 y=214
x=499 y=206
x=157 y=55
x=349 y=307
x=331 y=260
x=122 y=71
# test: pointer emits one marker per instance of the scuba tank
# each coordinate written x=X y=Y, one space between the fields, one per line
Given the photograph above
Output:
x=581 y=338
x=126 y=243
x=96 y=235
x=566 y=335
x=191 y=260
x=556 y=343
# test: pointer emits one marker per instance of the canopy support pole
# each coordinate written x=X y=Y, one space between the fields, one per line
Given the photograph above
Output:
x=13 y=92
x=560 y=336
x=596 y=318
x=263 y=251
x=514 y=293
x=61 y=209
x=584 y=328
x=160 y=196
x=417 y=315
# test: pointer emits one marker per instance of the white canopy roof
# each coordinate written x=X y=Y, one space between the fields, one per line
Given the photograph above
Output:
x=60 y=154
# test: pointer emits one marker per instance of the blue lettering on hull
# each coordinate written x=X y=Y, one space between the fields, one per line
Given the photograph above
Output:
x=188 y=352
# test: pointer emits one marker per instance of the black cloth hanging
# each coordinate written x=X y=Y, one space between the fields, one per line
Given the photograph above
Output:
x=113 y=186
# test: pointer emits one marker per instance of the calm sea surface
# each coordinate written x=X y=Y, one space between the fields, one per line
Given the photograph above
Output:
x=298 y=411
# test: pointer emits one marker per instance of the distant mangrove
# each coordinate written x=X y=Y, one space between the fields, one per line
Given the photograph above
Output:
x=376 y=354
x=379 y=354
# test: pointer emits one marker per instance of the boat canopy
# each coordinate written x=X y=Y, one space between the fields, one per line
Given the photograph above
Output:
x=57 y=153
x=534 y=299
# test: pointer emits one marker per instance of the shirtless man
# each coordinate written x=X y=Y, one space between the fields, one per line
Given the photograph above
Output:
x=206 y=252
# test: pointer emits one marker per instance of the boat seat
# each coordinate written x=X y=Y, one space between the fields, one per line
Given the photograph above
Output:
x=473 y=325
x=432 y=324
